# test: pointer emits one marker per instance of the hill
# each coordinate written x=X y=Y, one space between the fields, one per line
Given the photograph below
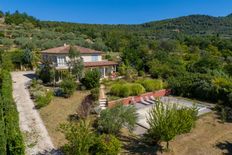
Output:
x=194 y=25
x=23 y=30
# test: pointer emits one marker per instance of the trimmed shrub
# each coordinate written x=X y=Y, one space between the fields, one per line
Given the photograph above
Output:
x=152 y=84
x=2 y=129
x=128 y=89
x=137 y=89
x=14 y=140
x=115 y=89
x=108 y=144
x=125 y=90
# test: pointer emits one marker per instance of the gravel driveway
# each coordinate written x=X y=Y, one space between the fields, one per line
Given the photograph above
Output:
x=36 y=135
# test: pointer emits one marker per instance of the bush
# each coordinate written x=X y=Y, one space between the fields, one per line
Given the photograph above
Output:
x=124 y=90
x=112 y=120
x=151 y=84
x=95 y=94
x=43 y=100
x=115 y=89
x=80 y=138
x=46 y=73
x=108 y=144
x=68 y=86
x=137 y=89
x=141 y=73
x=91 y=79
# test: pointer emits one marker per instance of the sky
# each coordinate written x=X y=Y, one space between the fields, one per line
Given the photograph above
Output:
x=116 y=11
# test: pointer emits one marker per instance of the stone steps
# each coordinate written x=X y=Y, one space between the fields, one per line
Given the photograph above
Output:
x=102 y=103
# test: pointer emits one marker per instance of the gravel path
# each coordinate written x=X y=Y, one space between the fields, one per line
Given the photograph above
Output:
x=37 y=139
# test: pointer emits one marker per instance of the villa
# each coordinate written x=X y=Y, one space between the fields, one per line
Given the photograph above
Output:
x=92 y=59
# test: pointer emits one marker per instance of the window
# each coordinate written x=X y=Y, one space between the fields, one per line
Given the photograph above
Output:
x=94 y=57
x=61 y=61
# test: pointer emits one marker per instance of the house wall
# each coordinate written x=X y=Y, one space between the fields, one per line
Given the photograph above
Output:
x=89 y=58
x=86 y=58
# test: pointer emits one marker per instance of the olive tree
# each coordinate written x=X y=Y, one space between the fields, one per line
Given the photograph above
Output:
x=168 y=120
x=76 y=63
x=80 y=137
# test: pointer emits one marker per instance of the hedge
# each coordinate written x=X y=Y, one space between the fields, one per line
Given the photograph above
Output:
x=127 y=89
x=151 y=84
x=2 y=130
x=11 y=140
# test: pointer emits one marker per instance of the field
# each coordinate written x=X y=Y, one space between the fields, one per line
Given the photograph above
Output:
x=59 y=111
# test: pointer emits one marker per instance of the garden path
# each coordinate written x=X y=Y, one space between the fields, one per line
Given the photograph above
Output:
x=102 y=92
x=102 y=97
x=36 y=136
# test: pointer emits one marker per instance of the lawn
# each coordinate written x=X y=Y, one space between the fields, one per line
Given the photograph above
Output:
x=210 y=136
x=59 y=111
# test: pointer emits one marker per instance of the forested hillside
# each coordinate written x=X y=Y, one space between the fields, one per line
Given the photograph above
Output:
x=193 y=53
x=20 y=29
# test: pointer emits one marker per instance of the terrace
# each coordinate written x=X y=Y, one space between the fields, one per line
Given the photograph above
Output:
x=143 y=109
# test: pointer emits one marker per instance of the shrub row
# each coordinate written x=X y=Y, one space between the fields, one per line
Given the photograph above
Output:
x=128 y=89
x=151 y=84
x=203 y=87
x=11 y=139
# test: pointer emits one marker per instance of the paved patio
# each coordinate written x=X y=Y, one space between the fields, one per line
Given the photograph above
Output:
x=143 y=110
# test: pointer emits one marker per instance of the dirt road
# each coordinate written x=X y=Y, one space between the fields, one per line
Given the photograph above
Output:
x=36 y=135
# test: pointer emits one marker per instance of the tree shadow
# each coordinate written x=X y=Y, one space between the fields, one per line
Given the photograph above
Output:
x=51 y=152
x=135 y=145
x=224 y=116
x=226 y=146
x=73 y=118
x=30 y=75
x=83 y=110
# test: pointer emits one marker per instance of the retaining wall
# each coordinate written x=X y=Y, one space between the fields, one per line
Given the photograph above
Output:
x=132 y=99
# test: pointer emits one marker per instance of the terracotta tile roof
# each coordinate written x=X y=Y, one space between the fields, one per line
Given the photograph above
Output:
x=65 y=50
x=100 y=63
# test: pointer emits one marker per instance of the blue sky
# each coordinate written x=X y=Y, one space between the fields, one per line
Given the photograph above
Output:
x=116 y=11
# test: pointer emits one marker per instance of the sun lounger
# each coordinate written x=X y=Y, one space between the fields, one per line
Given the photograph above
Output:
x=149 y=100
x=153 y=99
x=144 y=102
